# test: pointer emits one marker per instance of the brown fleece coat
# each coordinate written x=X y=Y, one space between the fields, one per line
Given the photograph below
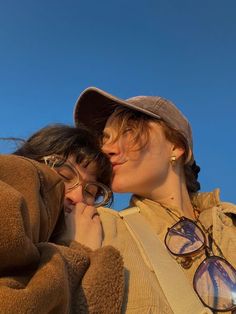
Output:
x=39 y=276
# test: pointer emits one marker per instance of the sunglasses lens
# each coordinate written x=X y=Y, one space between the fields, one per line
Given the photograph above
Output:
x=215 y=284
x=185 y=237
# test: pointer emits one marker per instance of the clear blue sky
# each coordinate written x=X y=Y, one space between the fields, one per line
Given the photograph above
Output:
x=183 y=50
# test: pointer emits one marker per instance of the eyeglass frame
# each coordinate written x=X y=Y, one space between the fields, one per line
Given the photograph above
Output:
x=107 y=191
x=208 y=251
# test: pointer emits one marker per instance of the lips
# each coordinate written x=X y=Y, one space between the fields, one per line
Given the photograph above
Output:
x=116 y=165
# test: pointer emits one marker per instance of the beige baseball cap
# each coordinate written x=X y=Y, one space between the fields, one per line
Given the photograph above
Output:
x=94 y=106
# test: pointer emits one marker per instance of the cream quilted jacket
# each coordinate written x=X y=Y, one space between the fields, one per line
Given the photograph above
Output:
x=143 y=293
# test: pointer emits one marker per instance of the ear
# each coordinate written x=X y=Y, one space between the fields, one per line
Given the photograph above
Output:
x=177 y=151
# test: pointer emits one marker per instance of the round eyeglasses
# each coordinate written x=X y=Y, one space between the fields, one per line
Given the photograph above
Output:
x=215 y=278
x=94 y=193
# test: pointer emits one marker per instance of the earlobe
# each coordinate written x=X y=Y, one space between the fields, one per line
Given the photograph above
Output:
x=177 y=152
x=175 y=155
x=173 y=160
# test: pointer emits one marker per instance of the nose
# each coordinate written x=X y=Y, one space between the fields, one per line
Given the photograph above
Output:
x=111 y=148
x=74 y=196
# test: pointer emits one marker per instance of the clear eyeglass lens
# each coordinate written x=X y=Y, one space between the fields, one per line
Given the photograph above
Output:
x=95 y=194
x=184 y=238
x=215 y=284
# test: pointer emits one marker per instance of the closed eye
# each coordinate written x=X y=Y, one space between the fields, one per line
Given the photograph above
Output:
x=66 y=173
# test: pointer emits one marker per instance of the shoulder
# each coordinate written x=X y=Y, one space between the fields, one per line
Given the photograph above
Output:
x=105 y=211
x=38 y=186
x=228 y=207
x=224 y=230
x=109 y=217
x=113 y=226
x=209 y=200
x=13 y=164
x=24 y=169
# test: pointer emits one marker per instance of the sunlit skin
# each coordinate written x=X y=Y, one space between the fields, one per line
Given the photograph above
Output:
x=147 y=172
x=74 y=196
x=82 y=221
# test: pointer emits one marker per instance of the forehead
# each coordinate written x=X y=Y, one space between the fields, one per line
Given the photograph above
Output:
x=121 y=122
x=156 y=129
x=141 y=136
x=122 y=117
x=113 y=121
x=87 y=172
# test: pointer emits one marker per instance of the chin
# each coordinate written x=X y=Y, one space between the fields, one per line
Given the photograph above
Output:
x=116 y=187
x=119 y=187
x=117 y=190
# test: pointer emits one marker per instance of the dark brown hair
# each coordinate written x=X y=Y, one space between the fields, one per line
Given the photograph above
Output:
x=126 y=119
x=65 y=140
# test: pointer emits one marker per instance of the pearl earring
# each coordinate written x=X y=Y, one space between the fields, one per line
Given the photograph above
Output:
x=172 y=160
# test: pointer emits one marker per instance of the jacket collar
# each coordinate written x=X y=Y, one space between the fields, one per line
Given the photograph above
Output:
x=206 y=200
x=201 y=200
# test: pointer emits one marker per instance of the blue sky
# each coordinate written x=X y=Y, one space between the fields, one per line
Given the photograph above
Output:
x=182 y=50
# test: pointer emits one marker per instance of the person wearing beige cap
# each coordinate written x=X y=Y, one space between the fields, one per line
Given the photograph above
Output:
x=178 y=244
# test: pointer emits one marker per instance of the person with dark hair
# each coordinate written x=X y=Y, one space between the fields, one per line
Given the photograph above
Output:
x=50 y=231
x=65 y=148
x=178 y=244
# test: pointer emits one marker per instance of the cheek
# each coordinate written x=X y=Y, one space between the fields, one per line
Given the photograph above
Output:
x=128 y=176
x=151 y=173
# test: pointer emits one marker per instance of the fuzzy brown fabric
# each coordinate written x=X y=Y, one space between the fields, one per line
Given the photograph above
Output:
x=38 y=276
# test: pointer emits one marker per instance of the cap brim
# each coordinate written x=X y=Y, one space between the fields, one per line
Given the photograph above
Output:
x=94 y=106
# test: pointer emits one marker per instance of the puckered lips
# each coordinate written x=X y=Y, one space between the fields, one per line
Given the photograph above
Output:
x=116 y=164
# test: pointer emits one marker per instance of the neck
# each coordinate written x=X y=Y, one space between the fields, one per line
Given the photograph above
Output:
x=174 y=193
